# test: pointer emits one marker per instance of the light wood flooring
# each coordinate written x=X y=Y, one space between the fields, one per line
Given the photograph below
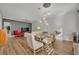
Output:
x=63 y=47
x=19 y=46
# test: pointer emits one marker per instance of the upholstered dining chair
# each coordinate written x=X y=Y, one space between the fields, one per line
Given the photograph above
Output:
x=34 y=44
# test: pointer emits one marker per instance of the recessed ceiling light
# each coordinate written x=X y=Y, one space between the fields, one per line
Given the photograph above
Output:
x=48 y=13
x=40 y=21
x=38 y=28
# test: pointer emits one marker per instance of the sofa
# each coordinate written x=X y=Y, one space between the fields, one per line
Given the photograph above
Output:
x=18 y=33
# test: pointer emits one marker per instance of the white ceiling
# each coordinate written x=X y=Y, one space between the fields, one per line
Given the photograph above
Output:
x=30 y=11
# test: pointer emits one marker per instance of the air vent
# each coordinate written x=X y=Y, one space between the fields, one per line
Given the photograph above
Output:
x=46 y=5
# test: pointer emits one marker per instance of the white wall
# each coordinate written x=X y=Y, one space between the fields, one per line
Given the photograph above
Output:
x=68 y=22
x=0 y=21
x=78 y=18
x=5 y=27
x=78 y=22
x=49 y=28
x=18 y=26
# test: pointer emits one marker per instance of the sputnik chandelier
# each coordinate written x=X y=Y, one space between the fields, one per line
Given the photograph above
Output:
x=44 y=18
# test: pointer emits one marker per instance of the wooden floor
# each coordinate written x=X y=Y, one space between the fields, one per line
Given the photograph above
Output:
x=63 y=47
x=19 y=46
x=16 y=46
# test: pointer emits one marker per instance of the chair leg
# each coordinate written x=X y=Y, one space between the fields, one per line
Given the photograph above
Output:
x=34 y=52
x=42 y=50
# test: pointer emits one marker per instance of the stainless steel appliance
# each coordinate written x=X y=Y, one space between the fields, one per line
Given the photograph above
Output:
x=76 y=43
